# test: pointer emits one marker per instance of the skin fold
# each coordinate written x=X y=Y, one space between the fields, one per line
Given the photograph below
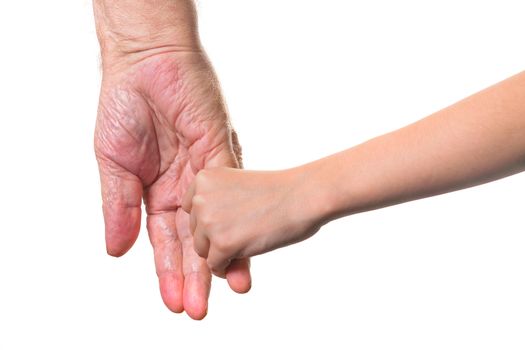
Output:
x=161 y=119
x=237 y=213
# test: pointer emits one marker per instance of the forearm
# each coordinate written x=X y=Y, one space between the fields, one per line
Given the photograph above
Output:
x=477 y=140
x=133 y=27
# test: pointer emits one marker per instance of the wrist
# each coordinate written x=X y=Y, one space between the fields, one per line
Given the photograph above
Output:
x=332 y=187
x=316 y=196
x=132 y=30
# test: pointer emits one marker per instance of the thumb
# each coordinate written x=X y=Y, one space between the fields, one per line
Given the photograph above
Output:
x=229 y=154
x=121 y=198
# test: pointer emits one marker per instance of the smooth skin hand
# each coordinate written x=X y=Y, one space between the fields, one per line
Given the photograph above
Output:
x=161 y=119
x=238 y=213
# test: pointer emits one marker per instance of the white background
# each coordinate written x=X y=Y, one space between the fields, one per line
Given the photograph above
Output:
x=303 y=79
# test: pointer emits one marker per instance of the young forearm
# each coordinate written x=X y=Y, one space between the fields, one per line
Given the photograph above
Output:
x=131 y=27
x=237 y=213
x=477 y=140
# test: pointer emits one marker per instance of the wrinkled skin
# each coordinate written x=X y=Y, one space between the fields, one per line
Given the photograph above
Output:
x=160 y=120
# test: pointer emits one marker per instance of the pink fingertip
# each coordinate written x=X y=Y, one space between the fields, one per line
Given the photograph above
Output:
x=239 y=277
x=171 y=292
x=122 y=226
x=196 y=293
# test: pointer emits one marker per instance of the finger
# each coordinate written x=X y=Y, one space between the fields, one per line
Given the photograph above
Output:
x=188 y=198
x=238 y=275
x=218 y=263
x=201 y=244
x=197 y=276
x=168 y=258
x=122 y=198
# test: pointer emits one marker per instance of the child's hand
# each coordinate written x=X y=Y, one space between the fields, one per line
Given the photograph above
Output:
x=238 y=213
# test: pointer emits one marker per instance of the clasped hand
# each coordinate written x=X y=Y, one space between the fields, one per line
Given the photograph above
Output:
x=238 y=214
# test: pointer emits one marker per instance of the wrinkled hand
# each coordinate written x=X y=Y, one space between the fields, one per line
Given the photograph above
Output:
x=237 y=213
x=160 y=120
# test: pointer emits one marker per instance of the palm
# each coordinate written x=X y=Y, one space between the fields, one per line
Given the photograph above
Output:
x=159 y=122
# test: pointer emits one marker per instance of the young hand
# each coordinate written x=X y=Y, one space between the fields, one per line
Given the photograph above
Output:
x=237 y=213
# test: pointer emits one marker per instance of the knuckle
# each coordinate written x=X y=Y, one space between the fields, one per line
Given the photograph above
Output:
x=224 y=245
x=206 y=179
x=198 y=201
x=206 y=221
x=199 y=246
x=202 y=177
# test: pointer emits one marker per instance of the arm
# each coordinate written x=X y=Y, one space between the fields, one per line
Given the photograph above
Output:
x=161 y=118
x=130 y=30
x=474 y=141
x=477 y=140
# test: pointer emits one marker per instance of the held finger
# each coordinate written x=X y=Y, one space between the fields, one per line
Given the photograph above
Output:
x=122 y=198
x=167 y=250
x=197 y=276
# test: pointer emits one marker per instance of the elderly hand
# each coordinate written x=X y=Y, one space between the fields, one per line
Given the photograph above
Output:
x=161 y=119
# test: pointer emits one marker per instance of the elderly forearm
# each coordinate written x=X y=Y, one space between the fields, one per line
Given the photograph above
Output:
x=477 y=140
x=130 y=26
